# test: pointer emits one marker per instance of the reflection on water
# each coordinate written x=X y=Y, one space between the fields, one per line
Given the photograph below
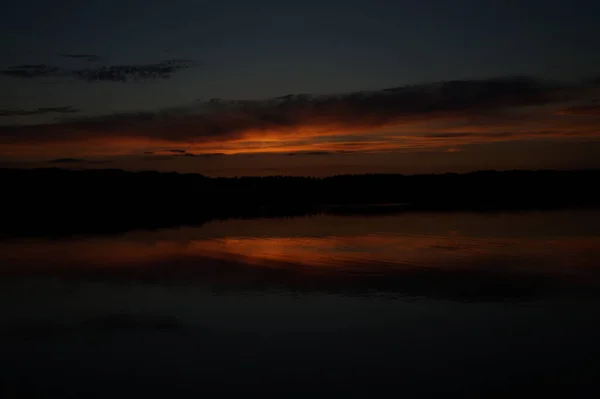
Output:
x=566 y=254
x=536 y=241
x=314 y=303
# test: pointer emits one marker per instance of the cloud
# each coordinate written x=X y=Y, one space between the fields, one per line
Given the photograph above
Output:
x=443 y=114
x=38 y=111
x=473 y=135
x=112 y=73
x=123 y=73
x=83 y=57
x=448 y=135
x=205 y=155
x=76 y=161
x=310 y=153
x=212 y=154
x=453 y=149
x=175 y=154
x=30 y=71
x=67 y=160
x=581 y=110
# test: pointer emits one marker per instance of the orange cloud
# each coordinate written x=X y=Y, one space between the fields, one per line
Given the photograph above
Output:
x=441 y=115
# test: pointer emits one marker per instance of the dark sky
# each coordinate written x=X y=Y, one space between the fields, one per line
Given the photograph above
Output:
x=76 y=75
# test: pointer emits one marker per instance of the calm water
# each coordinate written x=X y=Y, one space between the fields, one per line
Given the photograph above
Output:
x=416 y=305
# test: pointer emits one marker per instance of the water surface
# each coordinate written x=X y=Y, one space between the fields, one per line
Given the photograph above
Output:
x=420 y=303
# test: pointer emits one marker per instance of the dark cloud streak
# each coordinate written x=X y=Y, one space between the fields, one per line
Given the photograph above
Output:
x=106 y=73
x=123 y=73
x=311 y=153
x=76 y=161
x=38 y=111
x=204 y=155
x=67 y=160
x=83 y=57
x=31 y=71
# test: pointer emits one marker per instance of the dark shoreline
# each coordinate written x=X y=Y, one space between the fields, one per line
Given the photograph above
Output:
x=61 y=202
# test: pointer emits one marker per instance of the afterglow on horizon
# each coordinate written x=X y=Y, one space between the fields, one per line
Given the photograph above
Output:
x=349 y=90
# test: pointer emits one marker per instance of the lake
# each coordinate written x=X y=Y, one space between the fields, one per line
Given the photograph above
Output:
x=411 y=304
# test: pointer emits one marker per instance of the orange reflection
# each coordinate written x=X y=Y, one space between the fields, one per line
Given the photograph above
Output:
x=364 y=252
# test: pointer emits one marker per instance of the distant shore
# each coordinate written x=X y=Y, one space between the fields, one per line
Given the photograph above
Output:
x=56 y=202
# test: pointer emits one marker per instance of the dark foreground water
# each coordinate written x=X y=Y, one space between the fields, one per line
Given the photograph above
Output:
x=411 y=305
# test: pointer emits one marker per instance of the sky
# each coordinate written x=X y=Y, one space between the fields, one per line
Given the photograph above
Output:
x=300 y=88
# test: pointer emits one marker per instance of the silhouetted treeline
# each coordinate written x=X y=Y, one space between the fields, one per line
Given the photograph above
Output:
x=55 y=200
